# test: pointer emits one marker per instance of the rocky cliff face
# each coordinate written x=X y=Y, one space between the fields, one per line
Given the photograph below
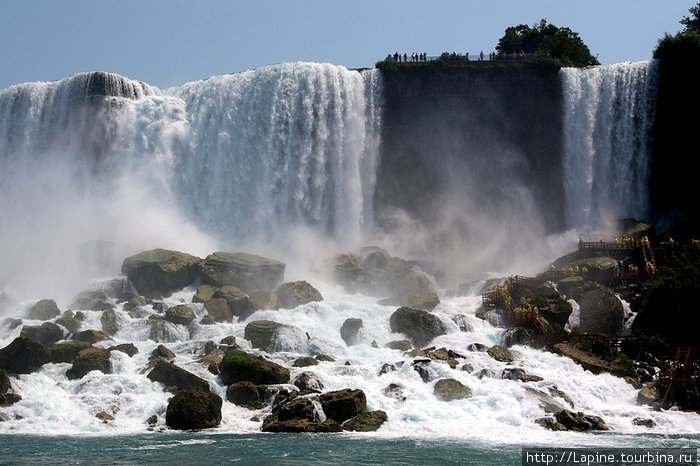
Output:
x=482 y=132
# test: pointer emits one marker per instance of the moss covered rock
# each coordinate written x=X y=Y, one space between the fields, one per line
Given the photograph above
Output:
x=237 y=366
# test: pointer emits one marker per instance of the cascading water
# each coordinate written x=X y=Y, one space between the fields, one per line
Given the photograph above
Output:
x=281 y=146
x=608 y=120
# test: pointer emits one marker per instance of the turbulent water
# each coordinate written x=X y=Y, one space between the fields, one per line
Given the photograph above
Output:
x=96 y=167
x=608 y=120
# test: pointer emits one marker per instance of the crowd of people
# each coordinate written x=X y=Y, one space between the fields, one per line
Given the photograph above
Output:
x=415 y=57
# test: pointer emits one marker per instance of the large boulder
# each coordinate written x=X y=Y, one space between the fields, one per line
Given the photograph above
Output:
x=244 y=271
x=67 y=350
x=349 y=330
x=308 y=381
x=451 y=389
x=420 y=327
x=109 y=322
x=23 y=356
x=69 y=321
x=262 y=298
x=601 y=312
x=245 y=394
x=341 y=405
x=159 y=272
x=580 y=422
x=204 y=293
x=91 y=336
x=293 y=294
x=47 y=333
x=425 y=301
x=376 y=273
x=44 y=309
x=171 y=375
x=90 y=359
x=501 y=354
x=218 y=310
x=180 y=314
x=91 y=300
x=193 y=409
x=366 y=422
x=238 y=302
x=237 y=366
x=273 y=336
x=297 y=414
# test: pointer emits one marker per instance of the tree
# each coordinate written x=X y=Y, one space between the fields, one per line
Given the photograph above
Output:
x=692 y=23
x=563 y=44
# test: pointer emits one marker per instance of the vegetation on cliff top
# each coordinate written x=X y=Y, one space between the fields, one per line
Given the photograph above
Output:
x=563 y=44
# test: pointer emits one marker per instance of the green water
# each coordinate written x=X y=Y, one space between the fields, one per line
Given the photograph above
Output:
x=265 y=449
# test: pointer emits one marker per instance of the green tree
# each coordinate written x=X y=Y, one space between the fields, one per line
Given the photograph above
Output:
x=563 y=44
x=692 y=23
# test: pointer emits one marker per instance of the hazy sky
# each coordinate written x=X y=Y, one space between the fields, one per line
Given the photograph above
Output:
x=170 y=42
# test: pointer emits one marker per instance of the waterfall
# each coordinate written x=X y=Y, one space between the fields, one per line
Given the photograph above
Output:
x=97 y=158
x=608 y=120
x=281 y=146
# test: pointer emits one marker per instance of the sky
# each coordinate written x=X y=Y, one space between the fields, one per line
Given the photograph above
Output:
x=170 y=42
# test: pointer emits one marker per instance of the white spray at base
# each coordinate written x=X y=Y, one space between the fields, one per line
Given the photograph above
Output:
x=499 y=410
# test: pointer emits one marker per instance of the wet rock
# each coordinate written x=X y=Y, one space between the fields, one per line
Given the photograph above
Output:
x=374 y=272
x=550 y=423
x=171 y=375
x=46 y=333
x=218 y=310
x=23 y=356
x=401 y=345
x=91 y=336
x=133 y=306
x=341 y=405
x=420 y=327
x=159 y=272
x=244 y=271
x=109 y=322
x=451 y=389
x=308 y=381
x=244 y=394
x=349 y=331
x=601 y=312
x=516 y=373
x=477 y=347
x=238 y=366
x=193 y=409
x=264 y=299
x=580 y=422
x=5 y=384
x=163 y=331
x=644 y=422
x=45 y=309
x=8 y=399
x=394 y=390
x=425 y=301
x=544 y=400
x=204 y=293
x=272 y=336
x=180 y=315
x=649 y=394
x=466 y=367
x=127 y=348
x=298 y=415
x=163 y=352
x=67 y=350
x=238 y=302
x=213 y=357
x=293 y=294
x=305 y=361
x=423 y=370
x=91 y=300
x=463 y=323
x=69 y=321
x=104 y=416
x=87 y=360
x=228 y=341
x=386 y=368
x=500 y=353
x=366 y=422
x=517 y=336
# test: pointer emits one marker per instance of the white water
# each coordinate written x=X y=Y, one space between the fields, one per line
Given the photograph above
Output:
x=608 y=119
x=52 y=404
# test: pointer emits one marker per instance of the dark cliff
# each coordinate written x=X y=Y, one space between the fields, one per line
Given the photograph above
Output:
x=483 y=131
